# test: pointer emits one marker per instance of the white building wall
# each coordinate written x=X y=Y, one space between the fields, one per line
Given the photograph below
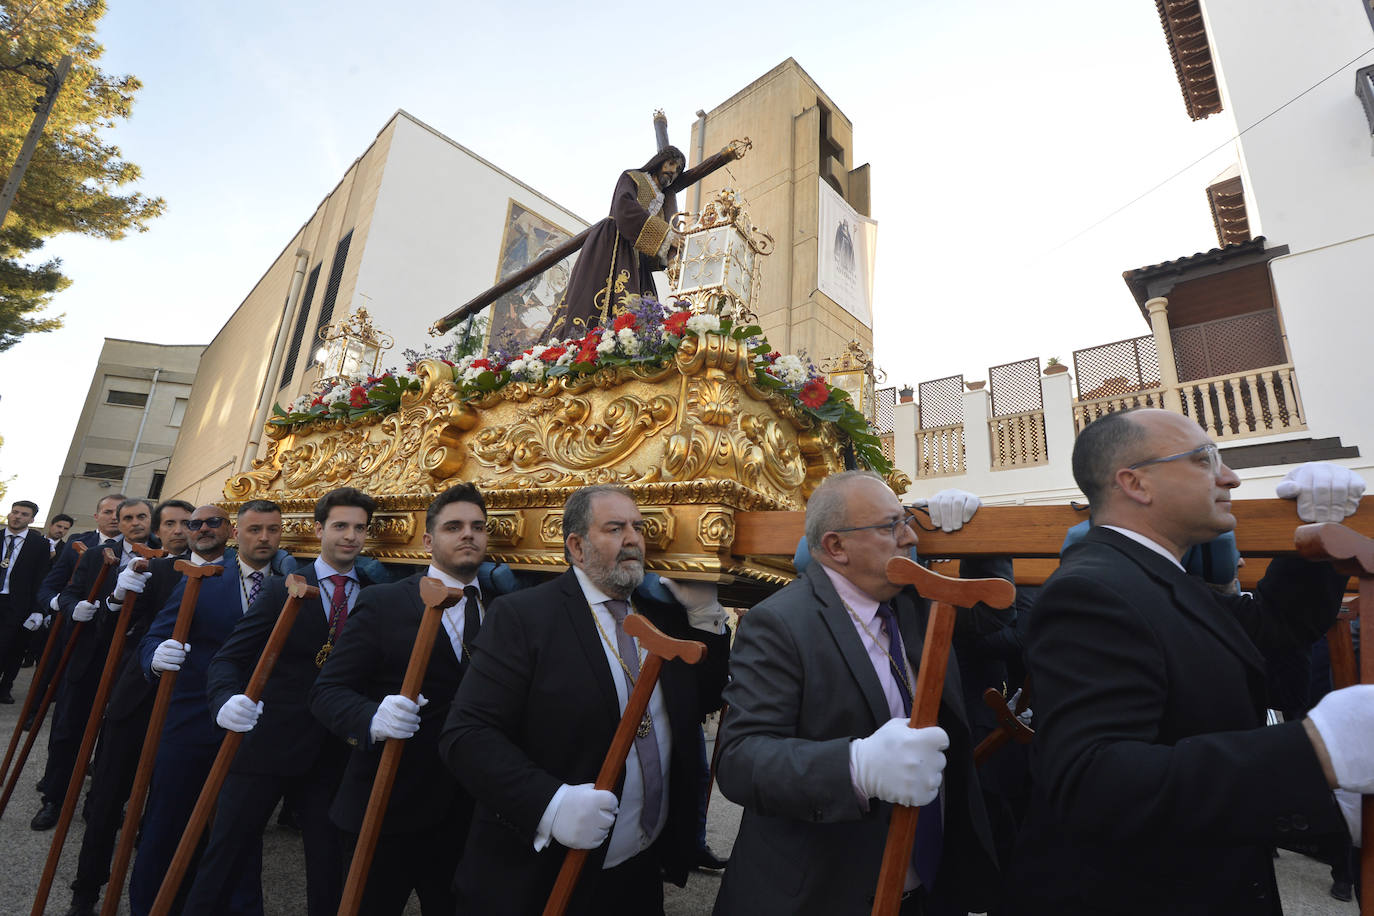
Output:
x=436 y=233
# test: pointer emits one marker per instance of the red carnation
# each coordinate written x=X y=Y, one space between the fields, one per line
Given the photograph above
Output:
x=623 y=320
x=357 y=397
x=773 y=357
x=814 y=393
x=677 y=323
x=551 y=354
x=319 y=399
x=481 y=363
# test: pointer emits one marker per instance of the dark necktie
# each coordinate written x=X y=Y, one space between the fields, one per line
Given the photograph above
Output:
x=650 y=765
x=930 y=832
x=472 y=616
x=338 y=605
x=253 y=590
x=10 y=538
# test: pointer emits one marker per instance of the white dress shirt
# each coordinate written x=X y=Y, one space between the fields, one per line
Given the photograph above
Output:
x=351 y=588
x=1147 y=543
x=12 y=552
x=455 y=618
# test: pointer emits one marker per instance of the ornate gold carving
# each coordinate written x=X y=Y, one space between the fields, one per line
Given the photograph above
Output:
x=551 y=529
x=391 y=529
x=658 y=527
x=505 y=529
x=716 y=529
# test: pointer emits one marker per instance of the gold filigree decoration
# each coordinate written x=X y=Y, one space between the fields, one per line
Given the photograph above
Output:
x=391 y=529
x=505 y=529
x=658 y=527
x=716 y=529
x=551 y=529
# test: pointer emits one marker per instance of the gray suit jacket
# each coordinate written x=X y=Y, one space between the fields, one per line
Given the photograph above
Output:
x=802 y=687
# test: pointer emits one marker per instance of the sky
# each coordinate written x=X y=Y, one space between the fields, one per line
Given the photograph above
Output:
x=1023 y=156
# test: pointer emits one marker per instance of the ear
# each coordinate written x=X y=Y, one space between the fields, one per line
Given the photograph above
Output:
x=429 y=543
x=1134 y=486
x=832 y=546
x=574 y=544
x=319 y=530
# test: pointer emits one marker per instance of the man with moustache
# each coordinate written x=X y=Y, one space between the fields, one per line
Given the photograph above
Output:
x=286 y=752
x=357 y=697
x=131 y=703
x=23 y=563
x=190 y=739
x=76 y=692
x=58 y=526
x=534 y=718
x=169 y=526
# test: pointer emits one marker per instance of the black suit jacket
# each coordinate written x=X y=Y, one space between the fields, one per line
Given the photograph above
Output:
x=1156 y=787
x=538 y=709
x=131 y=689
x=63 y=567
x=94 y=639
x=802 y=688
x=368 y=663
x=287 y=739
x=26 y=575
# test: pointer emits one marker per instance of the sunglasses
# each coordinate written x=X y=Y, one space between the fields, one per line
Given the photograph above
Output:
x=194 y=524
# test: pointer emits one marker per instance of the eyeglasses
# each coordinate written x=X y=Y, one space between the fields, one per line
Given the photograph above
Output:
x=1208 y=450
x=195 y=523
x=891 y=527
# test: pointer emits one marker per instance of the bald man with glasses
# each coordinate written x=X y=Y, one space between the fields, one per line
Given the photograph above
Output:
x=1156 y=786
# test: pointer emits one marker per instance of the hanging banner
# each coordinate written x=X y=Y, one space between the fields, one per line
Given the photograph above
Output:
x=847 y=244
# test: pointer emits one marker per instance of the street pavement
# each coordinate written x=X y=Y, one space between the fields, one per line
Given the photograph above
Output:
x=1303 y=882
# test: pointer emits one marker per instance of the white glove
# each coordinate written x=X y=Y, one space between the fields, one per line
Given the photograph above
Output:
x=700 y=599
x=584 y=817
x=47 y=620
x=33 y=621
x=396 y=717
x=899 y=764
x=129 y=581
x=1325 y=492
x=84 y=611
x=238 y=714
x=1350 y=806
x=1024 y=716
x=170 y=655
x=52 y=605
x=951 y=509
x=1345 y=720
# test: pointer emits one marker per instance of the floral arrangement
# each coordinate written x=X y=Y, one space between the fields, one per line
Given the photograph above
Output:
x=646 y=335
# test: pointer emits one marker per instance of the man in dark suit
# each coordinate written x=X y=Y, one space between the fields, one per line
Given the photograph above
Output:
x=549 y=679
x=816 y=744
x=64 y=564
x=358 y=697
x=1156 y=789
x=76 y=691
x=24 y=560
x=190 y=738
x=58 y=526
x=286 y=752
x=169 y=526
x=131 y=703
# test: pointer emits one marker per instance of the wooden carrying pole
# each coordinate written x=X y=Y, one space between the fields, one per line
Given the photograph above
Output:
x=945 y=593
x=108 y=560
x=114 y=890
x=1353 y=554
x=83 y=756
x=436 y=597
x=659 y=649
x=297 y=590
x=31 y=695
x=1009 y=727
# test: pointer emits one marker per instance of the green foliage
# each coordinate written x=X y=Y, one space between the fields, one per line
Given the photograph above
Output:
x=75 y=182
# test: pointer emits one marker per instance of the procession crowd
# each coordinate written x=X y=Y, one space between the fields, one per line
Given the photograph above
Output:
x=1153 y=784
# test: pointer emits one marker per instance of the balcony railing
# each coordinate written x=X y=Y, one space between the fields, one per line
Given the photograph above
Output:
x=1018 y=440
x=1084 y=412
x=940 y=451
x=1245 y=404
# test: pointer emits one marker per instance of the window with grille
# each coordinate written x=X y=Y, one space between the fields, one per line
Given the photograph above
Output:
x=331 y=289
x=155 y=488
x=126 y=398
x=288 y=368
x=104 y=471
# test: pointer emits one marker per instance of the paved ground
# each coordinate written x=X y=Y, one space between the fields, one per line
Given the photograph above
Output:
x=1304 y=882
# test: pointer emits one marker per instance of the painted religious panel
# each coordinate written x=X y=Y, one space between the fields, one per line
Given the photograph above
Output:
x=519 y=317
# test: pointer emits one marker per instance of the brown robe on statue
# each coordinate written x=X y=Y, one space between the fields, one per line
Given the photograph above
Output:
x=619 y=257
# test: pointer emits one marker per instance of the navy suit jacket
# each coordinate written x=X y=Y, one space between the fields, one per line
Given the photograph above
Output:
x=62 y=567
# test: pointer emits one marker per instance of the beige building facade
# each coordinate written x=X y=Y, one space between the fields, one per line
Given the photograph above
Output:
x=801 y=138
x=133 y=416
x=417 y=223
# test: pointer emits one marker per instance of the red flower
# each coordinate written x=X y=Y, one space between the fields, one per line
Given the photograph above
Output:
x=623 y=320
x=357 y=397
x=587 y=354
x=814 y=393
x=773 y=357
x=447 y=362
x=319 y=399
x=552 y=353
x=677 y=323
x=481 y=363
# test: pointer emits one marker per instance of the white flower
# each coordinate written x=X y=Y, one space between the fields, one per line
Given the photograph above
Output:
x=470 y=374
x=566 y=358
x=338 y=394
x=790 y=371
x=607 y=344
x=628 y=341
x=703 y=324
x=534 y=370
x=537 y=350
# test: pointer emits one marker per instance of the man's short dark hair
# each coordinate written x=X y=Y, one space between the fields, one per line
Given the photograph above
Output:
x=258 y=505
x=27 y=504
x=132 y=501
x=61 y=517
x=577 y=511
x=1102 y=449
x=458 y=493
x=170 y=504
x=344 y=496
x=120 y=497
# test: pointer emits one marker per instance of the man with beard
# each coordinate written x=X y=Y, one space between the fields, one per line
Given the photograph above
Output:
x=624 y=249
x=131 y=701
x=286 y=752
x=190 y=738
x=58 y=526
x=358 y=697
x=76 y=692
x=534 y=718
